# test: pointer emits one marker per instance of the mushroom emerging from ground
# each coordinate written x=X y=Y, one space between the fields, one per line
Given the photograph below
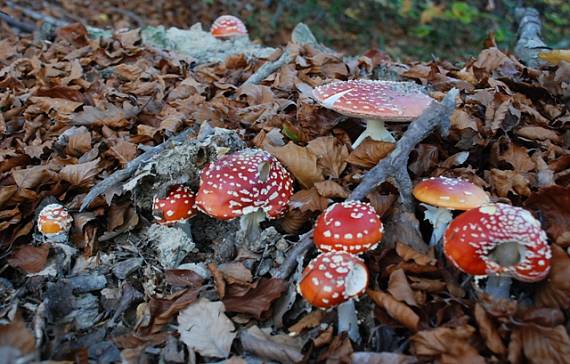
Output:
x=351 y=226
x=228 y=26
x=499 y=241
x=177 y=207
x=54 y=223
x=374 y=101
x=250 y=184
x=332 y=279
x=443 y=194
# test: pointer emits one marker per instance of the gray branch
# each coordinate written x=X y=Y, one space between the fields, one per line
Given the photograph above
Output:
x=529 y=43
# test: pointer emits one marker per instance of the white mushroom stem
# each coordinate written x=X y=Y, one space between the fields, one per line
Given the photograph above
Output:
x=348 y=321
x=376 y=130
x=505 y=254
x=249 y=224
x=498 y=287
x=440 y=218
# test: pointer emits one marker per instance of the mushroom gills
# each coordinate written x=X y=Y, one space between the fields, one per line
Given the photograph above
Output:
x=439 y=217
x=508 y=254
x=376 y=130
x=356 y=281
x=249 y=224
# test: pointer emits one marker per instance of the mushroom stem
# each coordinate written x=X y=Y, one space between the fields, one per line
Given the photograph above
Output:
x=348 y=321
x=440 y=218
x=376 y=130
x=498 y=287
x=249 y=224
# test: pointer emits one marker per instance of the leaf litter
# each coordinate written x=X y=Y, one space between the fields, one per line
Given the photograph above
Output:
x=76 y=110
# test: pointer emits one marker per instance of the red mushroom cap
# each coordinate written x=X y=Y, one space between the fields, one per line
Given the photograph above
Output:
x=380 y=100
x=243 y=182
x=227 y=26
x=54 y=220
x=351 y=226
x=333 y=278
x=474 y=239
x=178 y=205
x=451 y=193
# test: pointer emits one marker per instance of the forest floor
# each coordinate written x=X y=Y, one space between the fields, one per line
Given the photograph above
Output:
x=78 y=112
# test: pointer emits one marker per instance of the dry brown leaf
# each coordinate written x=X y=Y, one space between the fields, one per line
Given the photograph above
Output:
x=553 y=203
x=32 y=177
x=80 y=174
x=308 y=321
x=407 y=253
x=308 y=200
x=331 y=189
x=29 y=258
x=16 y=335
x=428 y=285
x=258 y=299
x=273 y=348
x=397 y=310
x=183 y=278
x=331 y=154
x=555 y=290
x=300 y=161
x=489 y=331
x=518 y=158
x=544 y=345
x=450 y=345
x=369 y=153
x=79 y=143
x=400 y=289
x=538 y=133
x=235 y=272
x=505 y=182
x=123 y=151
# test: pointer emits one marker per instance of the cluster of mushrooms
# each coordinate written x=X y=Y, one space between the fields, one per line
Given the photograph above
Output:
x=487 y=239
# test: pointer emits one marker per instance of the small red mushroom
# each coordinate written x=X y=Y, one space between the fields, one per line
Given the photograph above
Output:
x=227 y=26
x=498 y=240
x=442 y=194
x=54 y=222
x=250 y=184
x=177 y=206
x=333 y=278
x=374 y=101
x=351 y=226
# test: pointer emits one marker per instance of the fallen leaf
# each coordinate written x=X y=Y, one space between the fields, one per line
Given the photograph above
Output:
x=204 y=328
x=553 y=205
x=332 y=155
x=235 y=272
x=449 y=345
x=258 y=299
x=488 y=331
x=407 y=253
x=554 y=291
x=331 y=189
x=308 y=321
x=183 y=278
x=400 y=289
x=80 y=174
x=265 y=346
x=300 y=161
x=308 y=200
x=16 y=336
x=397 y=310
x=29 y=258
x=542 y=345
x=382 y=358
x=369 y=153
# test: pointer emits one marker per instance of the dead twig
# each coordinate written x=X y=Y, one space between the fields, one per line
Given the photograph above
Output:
x=131 y=167
x=22 y=26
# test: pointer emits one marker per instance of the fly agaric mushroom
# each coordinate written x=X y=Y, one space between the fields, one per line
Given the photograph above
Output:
x=443 y=194
x=351 y=226
x=54 y=222
x=499 y=241
x=332 y=279
x=228 y=26
x=250 y=184
x=177 y=206
x=374 y=101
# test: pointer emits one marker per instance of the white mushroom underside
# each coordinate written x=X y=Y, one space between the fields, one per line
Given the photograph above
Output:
x=356 y=280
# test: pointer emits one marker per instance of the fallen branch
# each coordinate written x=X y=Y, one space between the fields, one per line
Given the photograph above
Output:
x=17 y=24
x=529 y=43
x=131 y=167
x=395 y=165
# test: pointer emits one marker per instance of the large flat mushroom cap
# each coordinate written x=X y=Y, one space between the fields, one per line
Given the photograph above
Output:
x=379 y=100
